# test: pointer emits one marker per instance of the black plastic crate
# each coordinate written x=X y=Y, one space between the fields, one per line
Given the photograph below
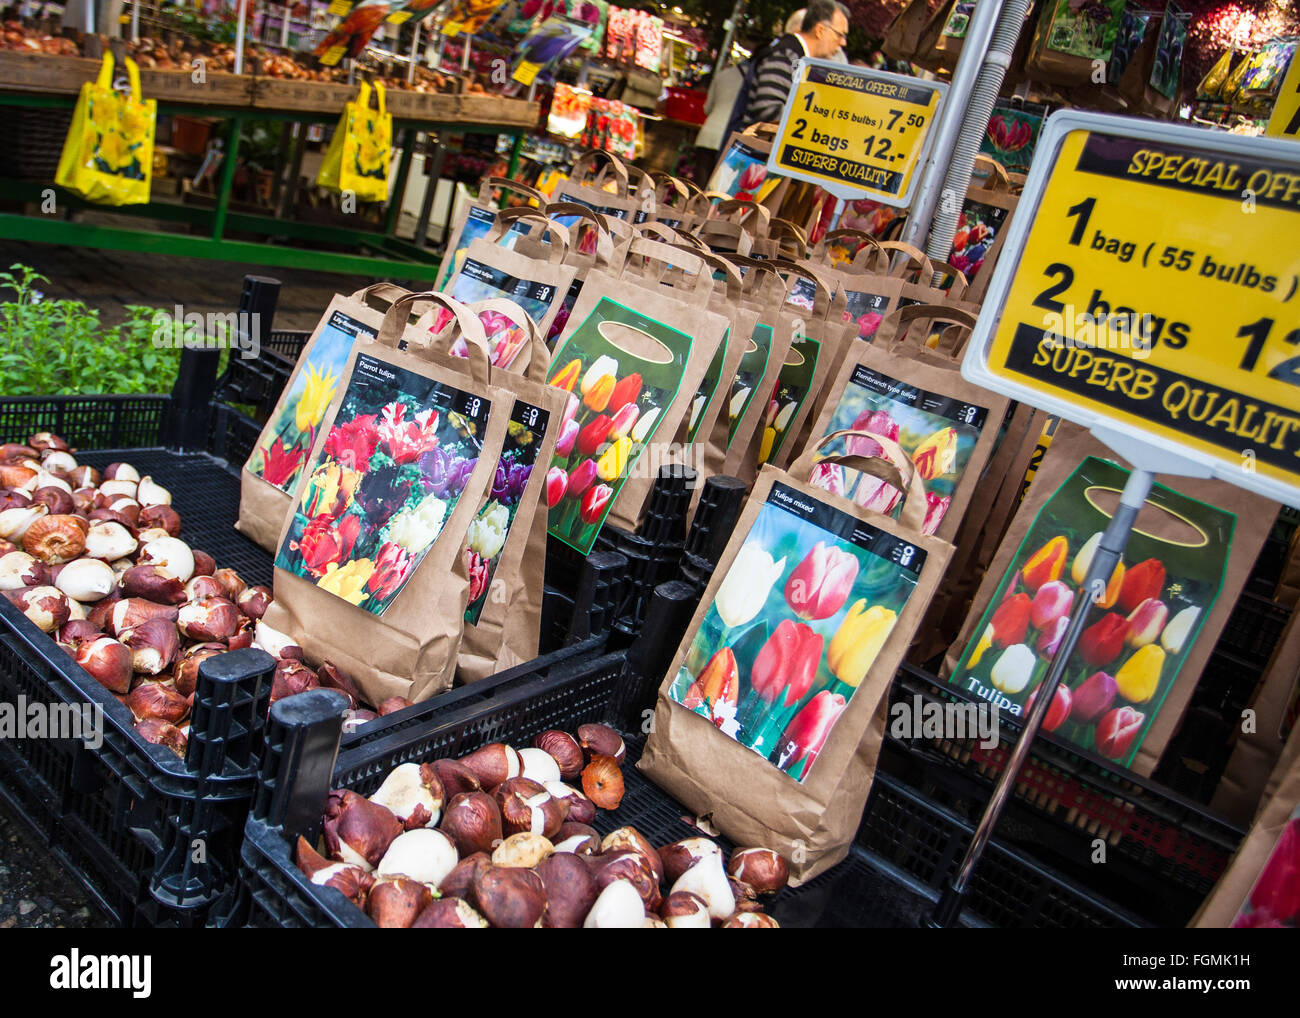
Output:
x=87 y=422
x=907 y=846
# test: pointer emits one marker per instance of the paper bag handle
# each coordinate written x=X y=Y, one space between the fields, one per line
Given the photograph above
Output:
x=397 y=316
x=534 y=359
x=489 y=184
x=506 y=218
x=888 y=468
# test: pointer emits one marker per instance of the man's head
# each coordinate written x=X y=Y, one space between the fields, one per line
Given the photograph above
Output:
x=825 y=27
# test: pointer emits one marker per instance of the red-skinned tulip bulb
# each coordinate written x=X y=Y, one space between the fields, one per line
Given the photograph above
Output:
x=787 y=663
x=807 y=731
x=821 y=583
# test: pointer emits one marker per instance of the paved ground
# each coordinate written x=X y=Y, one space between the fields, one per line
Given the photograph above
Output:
x=34 y=890
x=109 y=279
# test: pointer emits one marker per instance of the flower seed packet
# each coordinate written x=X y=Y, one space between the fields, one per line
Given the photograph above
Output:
x=477 y=225
x=491 y=270
x=938 y=434
x=389 y=474
x=490 y=528
x=804 y=609
x=867 y=309
x=624 y=370
x=708 y=386
x=280 y=460
x=1085 y=30
x=1139 y=631
x=741 y=172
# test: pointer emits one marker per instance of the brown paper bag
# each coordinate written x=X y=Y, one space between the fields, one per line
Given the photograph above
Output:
x=1235 y=894
x=537 y=281
x=606 y=192
x=503 y=614
x=1255 y=753
x=643 y=339
x=978 y=241
x=826 y=338
x=275 y=466
x=775 y=327
x=477 y=221
x=1253 y=517
x=591 y=245
x=369 y=572
x=903 y=35
x=746 y=670
x=947 y=426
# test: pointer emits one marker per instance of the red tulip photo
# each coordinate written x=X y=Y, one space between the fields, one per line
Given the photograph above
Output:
x=1101 y=642
x=820 y=584
x=806 y=733
x=1011 y=620
x=1145 y=580
x=787 y=663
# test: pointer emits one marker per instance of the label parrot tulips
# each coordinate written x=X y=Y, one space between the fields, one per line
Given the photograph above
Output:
x=938 y=434
x=801 y=615
x=390 y=472
x=1138 y=631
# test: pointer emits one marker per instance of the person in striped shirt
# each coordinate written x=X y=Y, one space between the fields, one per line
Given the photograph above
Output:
x=824 y=31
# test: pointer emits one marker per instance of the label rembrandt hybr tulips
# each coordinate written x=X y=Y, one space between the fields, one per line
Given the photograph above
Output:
x=1139 y=630
x=622 y=370
x=279 y=460
x=937 y=432
x=488 y=532
x=390 y=473
x=803 y=610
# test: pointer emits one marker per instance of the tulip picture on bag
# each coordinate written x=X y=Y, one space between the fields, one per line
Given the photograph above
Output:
x=1011 y=136
x=504 y=338
x=1139 y=630
x=489 y=529
x=791 y=390
x=280 y=461
x=707 y=386
x=867 y=309
x=740 y=172
x=936 y=432
x=977 y=228
x=1274 y=901
x=477 y=225
x=390 y=473
x=803 y=610
x=753 y=365
x=476 y=281
x=622 y=370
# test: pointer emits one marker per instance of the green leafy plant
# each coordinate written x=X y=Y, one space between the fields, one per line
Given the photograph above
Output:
x=60 y=347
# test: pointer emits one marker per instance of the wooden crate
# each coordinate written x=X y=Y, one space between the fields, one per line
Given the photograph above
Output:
x=40 y=72
x=233 y=91
x=287 y=96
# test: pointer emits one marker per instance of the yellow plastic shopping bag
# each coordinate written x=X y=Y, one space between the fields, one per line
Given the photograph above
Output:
x=108 y=155
x=358 y=154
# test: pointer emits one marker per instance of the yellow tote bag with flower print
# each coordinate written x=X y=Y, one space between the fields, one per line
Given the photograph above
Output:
x=358 y=154
x=108 y=155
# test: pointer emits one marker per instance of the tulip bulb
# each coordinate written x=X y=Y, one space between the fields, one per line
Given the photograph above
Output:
x=171 y=555
x=117 y=488
x=422 y=854
x=86 y=579
x=539 y=765
x=57 y=461
x=15 y=522
x=619 y=906
x=414 y=794
x=18 y=570
x=109 y=541
x=45 y=607
x=150 y=493
x=708 y=879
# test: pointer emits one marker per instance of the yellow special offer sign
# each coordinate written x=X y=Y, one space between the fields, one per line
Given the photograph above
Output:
x=1150 y=289
x=858 y=133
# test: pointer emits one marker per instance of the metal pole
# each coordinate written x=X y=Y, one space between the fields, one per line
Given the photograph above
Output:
x=973 y=51
x=973 y=126
x=239 y=36
x=135 y=21
x=1108 y=553
x=464 y=56
x=284 y=26
x=415 y=46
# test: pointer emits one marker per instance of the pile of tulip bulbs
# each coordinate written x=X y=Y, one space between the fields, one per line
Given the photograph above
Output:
x=500 y=838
